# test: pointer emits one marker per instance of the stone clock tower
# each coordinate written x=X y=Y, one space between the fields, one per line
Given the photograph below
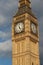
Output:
x=25 y=36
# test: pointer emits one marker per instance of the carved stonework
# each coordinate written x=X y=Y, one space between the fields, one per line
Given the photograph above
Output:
x=25 y=44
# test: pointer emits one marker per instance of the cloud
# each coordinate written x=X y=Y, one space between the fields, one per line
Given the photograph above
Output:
x=41 y=36
x=37 y=6
x=2 y=19
x=9 y=4
x=5 y=35
x=7 y=9
x=41 y=26
x=41 y=54
x=5 y=49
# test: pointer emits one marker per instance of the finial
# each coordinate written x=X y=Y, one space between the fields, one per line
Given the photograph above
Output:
x=24 y=0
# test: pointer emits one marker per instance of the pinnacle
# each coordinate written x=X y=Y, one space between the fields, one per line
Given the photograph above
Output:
x=24 y=0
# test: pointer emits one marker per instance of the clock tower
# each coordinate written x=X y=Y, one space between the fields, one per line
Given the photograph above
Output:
x=25 y=36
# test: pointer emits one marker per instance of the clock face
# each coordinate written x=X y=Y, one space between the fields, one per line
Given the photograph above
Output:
x=19 y=27
x=33 y=28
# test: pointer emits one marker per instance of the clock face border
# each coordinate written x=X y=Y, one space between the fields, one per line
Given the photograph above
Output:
x=16 y=24
x=36 y=28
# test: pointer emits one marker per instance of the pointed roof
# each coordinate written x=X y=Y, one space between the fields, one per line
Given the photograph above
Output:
x=24 y=8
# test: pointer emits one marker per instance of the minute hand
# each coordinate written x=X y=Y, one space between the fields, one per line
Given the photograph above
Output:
x=19 y=27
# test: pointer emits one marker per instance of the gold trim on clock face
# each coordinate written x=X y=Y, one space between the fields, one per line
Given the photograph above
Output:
x=19 y=27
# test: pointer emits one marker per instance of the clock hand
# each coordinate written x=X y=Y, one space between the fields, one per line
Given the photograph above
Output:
x=19 y=27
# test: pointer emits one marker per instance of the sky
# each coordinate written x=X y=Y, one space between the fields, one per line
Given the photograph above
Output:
x=8 y=8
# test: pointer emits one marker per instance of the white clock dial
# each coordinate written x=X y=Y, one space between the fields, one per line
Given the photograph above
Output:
x=19 y=27
x=33 y=27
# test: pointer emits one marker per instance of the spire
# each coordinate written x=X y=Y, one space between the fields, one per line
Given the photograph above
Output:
x=24 y=7
x=23 y=3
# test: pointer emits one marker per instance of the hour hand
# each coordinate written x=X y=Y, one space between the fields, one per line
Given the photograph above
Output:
x=19 y=27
